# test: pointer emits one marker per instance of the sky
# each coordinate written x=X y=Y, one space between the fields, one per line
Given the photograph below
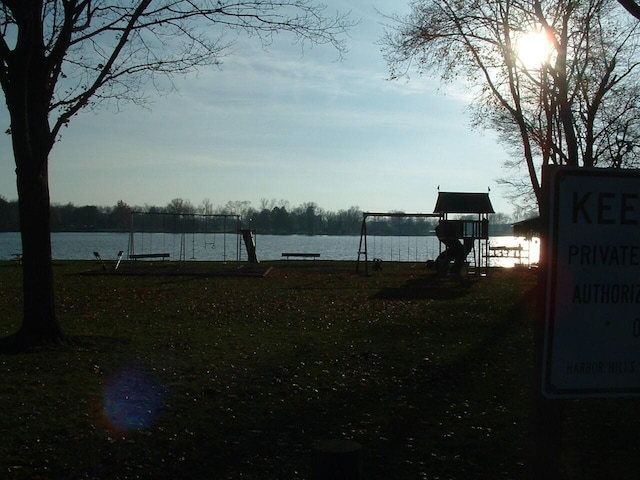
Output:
x=281 y=124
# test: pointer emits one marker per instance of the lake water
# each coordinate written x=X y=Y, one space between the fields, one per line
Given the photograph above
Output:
x=229 y=247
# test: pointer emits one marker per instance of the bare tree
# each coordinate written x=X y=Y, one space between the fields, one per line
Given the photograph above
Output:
x=206 y=207
x=180 y=206
x=236 y=207
x=61 y=56
x=578 y=106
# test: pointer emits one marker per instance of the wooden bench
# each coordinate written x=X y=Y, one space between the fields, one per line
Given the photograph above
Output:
x=300 y=255
x=138 y=256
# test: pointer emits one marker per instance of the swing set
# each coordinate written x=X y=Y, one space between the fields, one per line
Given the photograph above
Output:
x=182 y=236
x=393 y=248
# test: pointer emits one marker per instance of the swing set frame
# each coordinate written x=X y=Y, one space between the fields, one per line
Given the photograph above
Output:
x=180 y=223
x=363 y=250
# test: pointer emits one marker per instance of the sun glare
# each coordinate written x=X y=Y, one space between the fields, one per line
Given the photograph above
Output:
x=533 y=49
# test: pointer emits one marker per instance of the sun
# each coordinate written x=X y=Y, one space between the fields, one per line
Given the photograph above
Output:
x=533 y=48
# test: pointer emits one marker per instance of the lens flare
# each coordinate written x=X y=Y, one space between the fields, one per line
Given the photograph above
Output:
x=132 y=399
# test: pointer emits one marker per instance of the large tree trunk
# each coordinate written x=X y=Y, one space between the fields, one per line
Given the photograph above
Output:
x=31 y=149
x=39 y=324
x=28 y=94
x=31 y=146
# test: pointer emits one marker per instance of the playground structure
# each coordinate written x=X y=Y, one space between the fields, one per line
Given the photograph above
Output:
x=465 y=239
x=188 y=236
x=462 y=230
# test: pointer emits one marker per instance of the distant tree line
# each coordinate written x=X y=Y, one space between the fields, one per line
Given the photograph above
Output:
x=271 y=217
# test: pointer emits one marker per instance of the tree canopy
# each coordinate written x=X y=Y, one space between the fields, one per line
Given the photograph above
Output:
x=92 y=51
x=578 y=105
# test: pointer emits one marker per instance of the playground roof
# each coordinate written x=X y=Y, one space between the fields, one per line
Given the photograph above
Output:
x=458 y=202
x=528 y=228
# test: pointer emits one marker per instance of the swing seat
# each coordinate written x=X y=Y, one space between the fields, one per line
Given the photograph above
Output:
x=138 y=256
x=377 y=264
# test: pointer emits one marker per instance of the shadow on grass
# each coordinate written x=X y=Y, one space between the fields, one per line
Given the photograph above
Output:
x=415 y=420
x=15 y=344
x=422 y=418
x=466 y=426
x=196 y=271
x=430 y=287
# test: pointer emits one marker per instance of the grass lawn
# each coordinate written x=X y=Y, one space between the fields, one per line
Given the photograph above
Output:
x=208 y=373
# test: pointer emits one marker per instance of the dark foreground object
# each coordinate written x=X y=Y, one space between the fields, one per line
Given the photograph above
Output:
x=337 y=460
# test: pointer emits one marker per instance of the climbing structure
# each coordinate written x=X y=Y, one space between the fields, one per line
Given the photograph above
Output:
x=463 y=230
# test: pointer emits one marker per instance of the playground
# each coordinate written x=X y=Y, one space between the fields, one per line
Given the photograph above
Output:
x=459 y=224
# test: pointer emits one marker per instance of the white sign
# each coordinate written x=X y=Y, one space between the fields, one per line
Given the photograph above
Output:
x=592 y=320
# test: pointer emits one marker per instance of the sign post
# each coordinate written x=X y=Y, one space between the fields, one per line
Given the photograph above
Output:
x=592 y=308
x=588 y=330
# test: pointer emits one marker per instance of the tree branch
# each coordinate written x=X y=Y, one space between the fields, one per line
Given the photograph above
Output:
x=631 y=6
x=104 y=72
